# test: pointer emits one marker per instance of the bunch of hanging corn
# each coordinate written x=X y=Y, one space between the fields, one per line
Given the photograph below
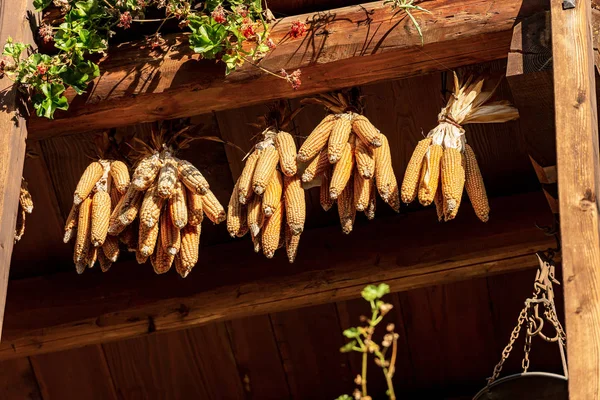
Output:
x=268 y=199
x=25 y=207
x=352 y=159
x=443 y=163
x=101 y=187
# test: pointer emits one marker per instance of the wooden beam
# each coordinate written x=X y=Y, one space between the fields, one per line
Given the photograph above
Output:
x=407 y=251
x=345 y=47
x=579 y=191
x=13 y=23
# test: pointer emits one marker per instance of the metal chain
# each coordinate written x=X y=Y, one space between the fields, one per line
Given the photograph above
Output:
x=506 y=352
x=527 y=349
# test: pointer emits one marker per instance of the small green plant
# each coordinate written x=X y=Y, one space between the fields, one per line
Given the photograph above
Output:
x=361 y=340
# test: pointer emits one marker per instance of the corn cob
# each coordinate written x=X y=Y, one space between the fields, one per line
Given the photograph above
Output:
x=295 y=204
x=129 y=236
x=177 y=206
x=105 y=263
x=192 y=178
x=256 y=242
x=439 y=203
x=317 y=139
x=130 y=206
x=25 y=197
x=167 y=177
x=146 y=171
x=194 y=208
x=342 y=171
x=88 y=180
x=340 y=133
x=272 y=232
x=82 y=241
x=100 y=217
x=410 y=184
x=170 y=235
x=291 y=244
x=183 y=272
x=80 y=266
x=140 y=258
x=20 y=225
x=234 y=213
x=147 y=239
x=366 y=132
x=265 y=168
x=255 y=215
x=287 y=153
x=370 y=210
x=92 y=256
x=71 y=223
x=115 y=227
x=475 y=186
x=190 y=243
x=212 y=208
x=453 y=181
x=111 y=248
x=324 y=197
x=151 y=207
x=115 y=196
x=244 y=228
x=283 y=225
x=316 y=166
x=365 y=163
x=162 y=260
x=430 y=175
x=384 y=172
x=272 y=196
x=245 y=179
x=120 y=175
x=346 y=209
x=362 y=192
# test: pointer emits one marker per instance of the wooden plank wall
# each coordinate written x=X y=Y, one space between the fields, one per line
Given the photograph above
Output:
x=450 y=338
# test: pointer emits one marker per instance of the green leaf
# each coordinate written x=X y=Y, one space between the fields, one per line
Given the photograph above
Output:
x=41 y=4
x=79 y=76
x=348 y=347
x=345 y=397
x=13 y=49
x=351 y=333
x=373 y=292
x=50 y=99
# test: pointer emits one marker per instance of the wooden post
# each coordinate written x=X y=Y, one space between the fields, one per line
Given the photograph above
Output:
x=13 y=132
x=578 y=188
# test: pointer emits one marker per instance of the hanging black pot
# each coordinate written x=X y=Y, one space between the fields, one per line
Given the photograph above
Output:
x=527 y=386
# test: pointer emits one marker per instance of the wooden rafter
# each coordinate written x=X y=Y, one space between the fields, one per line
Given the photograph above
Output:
x=345 y=47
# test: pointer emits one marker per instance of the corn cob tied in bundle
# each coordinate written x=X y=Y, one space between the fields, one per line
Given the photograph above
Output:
x=443 y=164
x=349 y=158
x=268 y=198
x=25 y=207
x=160 y=214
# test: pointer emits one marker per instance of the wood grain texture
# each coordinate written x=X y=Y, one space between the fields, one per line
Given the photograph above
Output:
x=17 y=380
x=232 y=282
x=13 y=23
x=79 y=372
x=348 y=46
x=579 y=190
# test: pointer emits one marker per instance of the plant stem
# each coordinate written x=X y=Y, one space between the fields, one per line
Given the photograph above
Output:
x=393 y=358
x=390 y=385
x=262 y=68
x=364 y=373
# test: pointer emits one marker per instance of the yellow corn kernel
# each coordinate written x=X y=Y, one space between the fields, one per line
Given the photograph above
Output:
x=120 y=175
x=84 y=225
x=384 y=172
x=287 y=153
x=151 y=206
x=105 y=263
x=272 y=232
x=192 y=178
x=410 y=184
x=453 y=181
x=177 y=206
x=235 y=213
x=342 y=170
x=140 y=258
x=365 y=162
x=25 y=197
x=295 y=204
x=256 y=242
x=146 y=172
x=130 y=206
x=212 y=208
x=167 y=177
x=439 y=203
x=161 y=260
x=111 y=248
x=317 y=139
x=194 y=208
x=324 y=197
x=366 y=132
x=265 y=168
x=183 y=272
x=20 y=225
x=88 y=180
x=346 y=209
x=475 y=186
x=340 y=133
x=129 y=236
x=100 y=217
x=291 y=244
x=245 y=179
x=255 y=215
x=272 y=196
x=316 y=166
x=170 y=235
x=147 y=239
x=430 y=175
x=190 y=243
x=370 y=210
x=71 y=223
x=362 y=192
x=115 y=227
